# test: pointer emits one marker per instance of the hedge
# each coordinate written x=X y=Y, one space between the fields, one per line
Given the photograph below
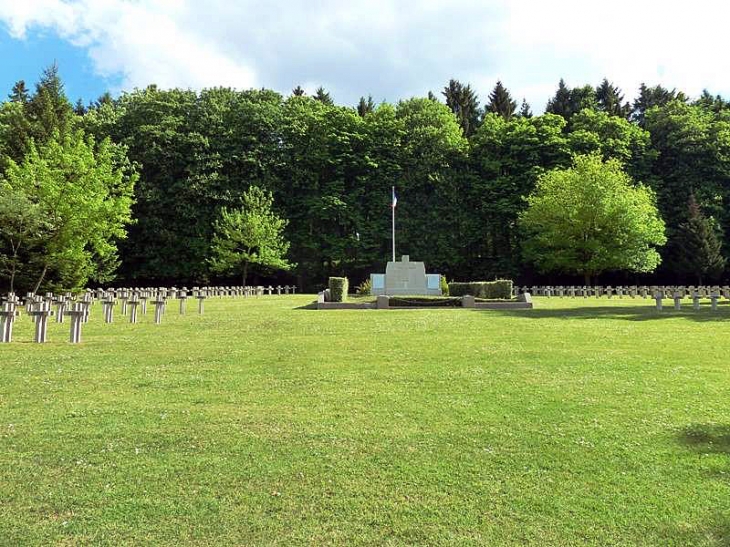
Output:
x=338 y=288
x=501 y=288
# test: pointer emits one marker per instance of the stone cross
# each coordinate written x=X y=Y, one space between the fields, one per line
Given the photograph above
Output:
x=713 y=300
x=677 y=301
x=658 y=298
x=159 y=307
x=41 y=316
x=60 y=308
x=108 y=306
x=77 y=318
x=696 y=300
x=183 y=299
x=201 y=298
x=7 y=317
x=133 y=303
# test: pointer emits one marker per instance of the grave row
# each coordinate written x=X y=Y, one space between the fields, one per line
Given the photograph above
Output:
x=632 y=291
x=132 y=301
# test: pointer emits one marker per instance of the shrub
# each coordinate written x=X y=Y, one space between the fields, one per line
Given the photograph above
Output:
x=444 y=286
x=501 y=289
x=364 y=288
x=338 y=288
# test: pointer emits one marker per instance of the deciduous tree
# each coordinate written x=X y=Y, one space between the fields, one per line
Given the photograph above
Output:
x=591 y=218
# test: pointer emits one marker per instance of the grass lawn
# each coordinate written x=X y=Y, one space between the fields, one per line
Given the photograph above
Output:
x=596 y=422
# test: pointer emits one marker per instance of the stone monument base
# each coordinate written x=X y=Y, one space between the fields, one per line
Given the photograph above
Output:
x=405 y=278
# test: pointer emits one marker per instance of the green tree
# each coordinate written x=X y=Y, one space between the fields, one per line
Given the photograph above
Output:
x=298 y=92
x=252 y=235
x=611 y=101
x=501 y=102
x=615 y=138
x=83 y=193
x=506 y=159
x=23 y=227
x=463 y=102
x=323 y=96
x=525 y=110
x=591 y=218
x=20 y=93
x=365 y=106
x=697 y=247
x=649 y=97
x=693 y=147
x=560 y=103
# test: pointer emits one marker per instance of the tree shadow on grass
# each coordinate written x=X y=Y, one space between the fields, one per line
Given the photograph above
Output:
x=707 y=439
x=626 y=313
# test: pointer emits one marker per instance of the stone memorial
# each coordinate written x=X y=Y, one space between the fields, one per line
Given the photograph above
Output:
x=405 y=278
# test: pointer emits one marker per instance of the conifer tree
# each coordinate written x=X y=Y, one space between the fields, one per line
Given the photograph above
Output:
x=501 y=102
x=19 y=94
x=560 y=104
x=697 y=246
x=323 y=96
x=49 y=110
x=365 y=106
x=650 y=97
x=463 y=102
x=525 y=111
x=298 y=91
x=611 y=100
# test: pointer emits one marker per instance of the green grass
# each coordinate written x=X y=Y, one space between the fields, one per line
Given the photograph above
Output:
x=597 y=422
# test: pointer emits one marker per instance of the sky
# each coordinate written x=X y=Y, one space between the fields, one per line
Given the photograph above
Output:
x=390 y=49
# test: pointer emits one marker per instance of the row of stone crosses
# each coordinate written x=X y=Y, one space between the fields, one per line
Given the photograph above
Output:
x=132 y=301
x=657 y=292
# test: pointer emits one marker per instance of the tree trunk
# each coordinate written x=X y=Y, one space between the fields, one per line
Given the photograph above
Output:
x=587 y=279
x=245 y=272
x=40 y=279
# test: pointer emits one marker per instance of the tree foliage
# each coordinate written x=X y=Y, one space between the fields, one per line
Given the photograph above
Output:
x=501 y=102
x=698 y=247
x=251 y=235
x=591 y=218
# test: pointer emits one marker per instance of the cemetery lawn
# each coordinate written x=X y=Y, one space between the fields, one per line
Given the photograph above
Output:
x=596 y=422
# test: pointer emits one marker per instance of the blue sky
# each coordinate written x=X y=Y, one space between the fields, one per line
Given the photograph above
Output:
x=27 y=58
x=392 y=49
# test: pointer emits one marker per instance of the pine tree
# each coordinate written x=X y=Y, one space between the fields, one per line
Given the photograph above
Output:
x=48 y=109
x=79 y=108
x=611 y=100
x=560 y=104
x=431 y=96
x=463 y=102
x=525 y=111
x=365 y=106
x=501 y=102
x=582 y=98
x=650 y=97
x=697 y=245
x=714 y=104
x=323 y=96
x=104 y=98
x=19 y=94
x=298 y=91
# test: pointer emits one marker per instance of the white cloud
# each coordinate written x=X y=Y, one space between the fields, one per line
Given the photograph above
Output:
x=391 y=48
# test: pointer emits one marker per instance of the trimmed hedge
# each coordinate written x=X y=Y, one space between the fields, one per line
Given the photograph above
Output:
x=338 y=288
x=501 y=288
x=444 y=286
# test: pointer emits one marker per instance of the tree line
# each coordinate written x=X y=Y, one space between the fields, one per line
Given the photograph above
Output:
x=144 y=179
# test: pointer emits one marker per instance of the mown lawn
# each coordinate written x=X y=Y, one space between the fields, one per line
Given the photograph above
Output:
x=597 y=422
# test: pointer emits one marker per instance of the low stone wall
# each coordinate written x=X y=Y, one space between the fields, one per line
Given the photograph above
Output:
x=382 y=303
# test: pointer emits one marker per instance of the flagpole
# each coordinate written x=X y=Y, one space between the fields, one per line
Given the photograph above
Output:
x=392 y=207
